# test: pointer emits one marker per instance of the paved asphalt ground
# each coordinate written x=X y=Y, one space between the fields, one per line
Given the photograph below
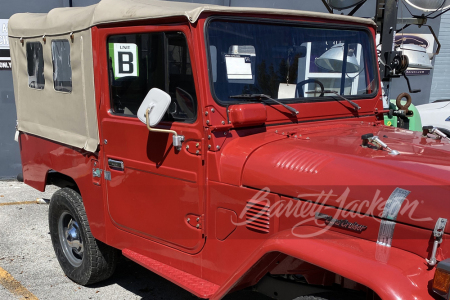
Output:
x=29 y=268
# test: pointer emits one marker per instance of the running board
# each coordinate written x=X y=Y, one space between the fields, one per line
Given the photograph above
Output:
x=197 y=286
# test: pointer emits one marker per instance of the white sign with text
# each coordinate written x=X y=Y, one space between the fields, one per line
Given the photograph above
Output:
x=5 y=57
x=125 y=60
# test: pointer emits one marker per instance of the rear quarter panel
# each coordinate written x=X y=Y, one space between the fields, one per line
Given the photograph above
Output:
x=39 y=156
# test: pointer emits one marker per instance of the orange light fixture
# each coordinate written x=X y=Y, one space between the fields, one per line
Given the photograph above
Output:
x=441 y=281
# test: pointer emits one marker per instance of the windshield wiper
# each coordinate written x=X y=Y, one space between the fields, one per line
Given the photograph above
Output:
x=356 y=106
x=261 y=97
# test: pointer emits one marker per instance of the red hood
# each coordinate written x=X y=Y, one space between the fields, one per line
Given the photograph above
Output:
x=306 y=160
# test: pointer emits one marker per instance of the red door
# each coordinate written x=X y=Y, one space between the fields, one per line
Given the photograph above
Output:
x=153 y=188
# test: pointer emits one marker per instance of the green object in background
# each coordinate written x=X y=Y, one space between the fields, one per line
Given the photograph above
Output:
x=415 y=123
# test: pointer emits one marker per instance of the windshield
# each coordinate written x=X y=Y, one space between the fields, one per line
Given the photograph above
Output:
x=283 y=61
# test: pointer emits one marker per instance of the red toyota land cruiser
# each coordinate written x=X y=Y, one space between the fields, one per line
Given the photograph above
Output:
x=225 y=148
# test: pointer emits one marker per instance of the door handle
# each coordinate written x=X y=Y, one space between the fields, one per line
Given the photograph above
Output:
x=115 y=164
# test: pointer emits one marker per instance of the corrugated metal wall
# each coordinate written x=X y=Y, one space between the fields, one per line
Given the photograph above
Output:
x=440 y=86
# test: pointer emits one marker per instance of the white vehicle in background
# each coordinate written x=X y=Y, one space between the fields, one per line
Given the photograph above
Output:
x=436 y=114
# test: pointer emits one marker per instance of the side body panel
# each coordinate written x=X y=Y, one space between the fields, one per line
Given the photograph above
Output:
x=39 y=156
x=399 y=274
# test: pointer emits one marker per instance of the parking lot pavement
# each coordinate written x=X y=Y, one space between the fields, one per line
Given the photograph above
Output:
x=29 y=268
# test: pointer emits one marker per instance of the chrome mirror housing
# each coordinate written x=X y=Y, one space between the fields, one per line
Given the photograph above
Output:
x=154 y=107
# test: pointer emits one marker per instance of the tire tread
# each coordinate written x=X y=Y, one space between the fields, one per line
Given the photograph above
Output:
x=102 y=258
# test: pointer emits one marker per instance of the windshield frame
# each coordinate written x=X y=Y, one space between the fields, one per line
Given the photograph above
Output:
x=304 y=24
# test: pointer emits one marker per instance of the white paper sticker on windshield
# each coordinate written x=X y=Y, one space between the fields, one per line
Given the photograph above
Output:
x=239 y=67
x=125 y=60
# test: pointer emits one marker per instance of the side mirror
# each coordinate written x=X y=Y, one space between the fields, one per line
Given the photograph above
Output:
x=152 y=110
x=156 y=104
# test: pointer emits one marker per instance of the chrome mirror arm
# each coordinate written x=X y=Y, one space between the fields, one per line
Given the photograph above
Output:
x=177 y=140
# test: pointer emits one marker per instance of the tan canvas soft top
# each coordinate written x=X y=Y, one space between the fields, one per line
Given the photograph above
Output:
x=66 y=20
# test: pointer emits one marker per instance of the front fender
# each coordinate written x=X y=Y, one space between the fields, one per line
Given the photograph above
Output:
x=390 y=272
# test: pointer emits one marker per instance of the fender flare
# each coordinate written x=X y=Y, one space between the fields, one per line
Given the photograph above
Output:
x=392 y=273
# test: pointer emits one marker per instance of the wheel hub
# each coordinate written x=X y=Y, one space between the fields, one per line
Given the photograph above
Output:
x=71 y=239
x=72 y=234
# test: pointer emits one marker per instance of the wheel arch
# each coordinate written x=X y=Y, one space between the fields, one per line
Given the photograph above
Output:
x=390 y=272
x=61 y=180
x=91 y=195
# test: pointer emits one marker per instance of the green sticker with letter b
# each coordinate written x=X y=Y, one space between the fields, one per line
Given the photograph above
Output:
x=124 y=59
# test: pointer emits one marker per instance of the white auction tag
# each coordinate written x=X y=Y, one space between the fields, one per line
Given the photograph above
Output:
x=239 y=67
x=286 y=91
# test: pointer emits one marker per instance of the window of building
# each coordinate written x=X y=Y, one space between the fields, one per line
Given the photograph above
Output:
x=62 y=70
x=35 y=65
x=140 y=62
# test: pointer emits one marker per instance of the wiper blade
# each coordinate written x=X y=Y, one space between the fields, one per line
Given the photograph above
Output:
x=261 y=97
x=356 y=106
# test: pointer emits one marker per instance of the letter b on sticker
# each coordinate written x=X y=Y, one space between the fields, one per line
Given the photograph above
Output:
x=125 y=60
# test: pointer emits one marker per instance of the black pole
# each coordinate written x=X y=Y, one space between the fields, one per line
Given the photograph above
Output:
x=387 y=35
x=330 y=10
x=70 y=3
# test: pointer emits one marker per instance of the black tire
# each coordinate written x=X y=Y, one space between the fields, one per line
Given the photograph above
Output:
x=20 y=177
x=90 y=261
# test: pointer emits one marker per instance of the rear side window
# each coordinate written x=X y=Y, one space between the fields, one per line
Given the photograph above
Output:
x=62 y=70
x=35 y=66
x=140 y=62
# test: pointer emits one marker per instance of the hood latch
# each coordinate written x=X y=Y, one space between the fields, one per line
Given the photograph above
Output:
x=379 y=144
x=433 y=130
x=438 y=233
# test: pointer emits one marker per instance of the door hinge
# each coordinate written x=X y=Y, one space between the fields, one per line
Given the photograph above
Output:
x=97 y=172
x=197 y=222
